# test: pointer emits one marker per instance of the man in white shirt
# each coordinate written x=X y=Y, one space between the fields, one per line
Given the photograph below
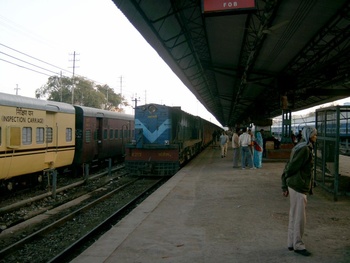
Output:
x=245 y=141
x=235 y=146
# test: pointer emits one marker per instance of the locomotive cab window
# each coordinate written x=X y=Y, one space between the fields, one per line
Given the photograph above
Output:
x=40 y=135
x=26 y=135
x=69 y=136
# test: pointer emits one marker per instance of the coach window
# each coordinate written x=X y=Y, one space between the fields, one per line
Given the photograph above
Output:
x=111 y=134
x=88 y=136
x=116 y=134
x=69 y=134
x=105 y=134
x=40 y=135
x=49 y=135
x=26 y=135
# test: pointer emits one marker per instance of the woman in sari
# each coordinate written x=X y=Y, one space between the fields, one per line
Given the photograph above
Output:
x=258 y=154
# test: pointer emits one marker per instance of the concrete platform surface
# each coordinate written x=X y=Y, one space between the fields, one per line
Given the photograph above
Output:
x=210 y=212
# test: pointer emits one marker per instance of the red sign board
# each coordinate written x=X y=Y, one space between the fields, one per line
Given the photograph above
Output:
x=227 y=5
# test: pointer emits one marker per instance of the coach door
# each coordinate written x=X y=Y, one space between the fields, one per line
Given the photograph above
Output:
x=99 y=134
x=52 y=140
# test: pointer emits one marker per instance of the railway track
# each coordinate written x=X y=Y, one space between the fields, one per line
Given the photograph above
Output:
x=58 y=235
x=21 y=206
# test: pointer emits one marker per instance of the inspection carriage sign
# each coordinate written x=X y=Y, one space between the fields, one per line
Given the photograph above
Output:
x=22 y=116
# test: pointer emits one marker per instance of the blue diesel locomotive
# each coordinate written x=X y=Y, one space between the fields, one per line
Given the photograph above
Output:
x=165 y=139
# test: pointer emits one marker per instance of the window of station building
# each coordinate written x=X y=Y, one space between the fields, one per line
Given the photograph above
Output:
x=105 y=134
x=116 y=134
x=69 y=135
x=110 y=134
x=26 y=135
x=49 y=134
x=40 y=135
x=88 y=136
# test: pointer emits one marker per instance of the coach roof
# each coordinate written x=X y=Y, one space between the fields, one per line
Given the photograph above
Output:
x=93 y=112
x=37 y=104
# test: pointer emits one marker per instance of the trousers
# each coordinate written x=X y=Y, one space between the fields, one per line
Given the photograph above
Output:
x=246 y=156
x=223 y=149
x=297 y=219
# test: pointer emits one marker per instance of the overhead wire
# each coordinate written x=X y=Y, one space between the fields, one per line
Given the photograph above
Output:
x=25 y=67
x=22 y=30
x=47 y=63
x=15 y=28
x=35 y=59
x=27 y=62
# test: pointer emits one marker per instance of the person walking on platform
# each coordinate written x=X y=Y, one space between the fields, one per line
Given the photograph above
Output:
x=223 y=144
x=297 y=181
x=235 y=146
x=245 y=141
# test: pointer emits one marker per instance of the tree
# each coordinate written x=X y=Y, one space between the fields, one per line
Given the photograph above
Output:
x=86 y=93
x=56 y=89
x=113 y=100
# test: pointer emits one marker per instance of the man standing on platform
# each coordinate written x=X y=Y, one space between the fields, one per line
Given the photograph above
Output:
x=245 y=140
x=297 y=181
x=235 y=146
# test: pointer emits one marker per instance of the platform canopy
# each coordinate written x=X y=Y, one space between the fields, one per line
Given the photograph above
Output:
x=242 y=58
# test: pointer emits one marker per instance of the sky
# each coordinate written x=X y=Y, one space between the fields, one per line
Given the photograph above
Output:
x=39 y=37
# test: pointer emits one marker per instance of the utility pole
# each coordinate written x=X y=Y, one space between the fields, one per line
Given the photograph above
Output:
x=73 y=80
x=107 y=97
x=61 y=85
x=58 y=82
x=16 y=89
x=135 y=100
x=121 y=86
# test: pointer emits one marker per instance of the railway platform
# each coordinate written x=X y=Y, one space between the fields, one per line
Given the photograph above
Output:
x=211 y=212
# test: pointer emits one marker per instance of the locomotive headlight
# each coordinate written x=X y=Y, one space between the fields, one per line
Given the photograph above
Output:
x=152 y=109
x=166 y=142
